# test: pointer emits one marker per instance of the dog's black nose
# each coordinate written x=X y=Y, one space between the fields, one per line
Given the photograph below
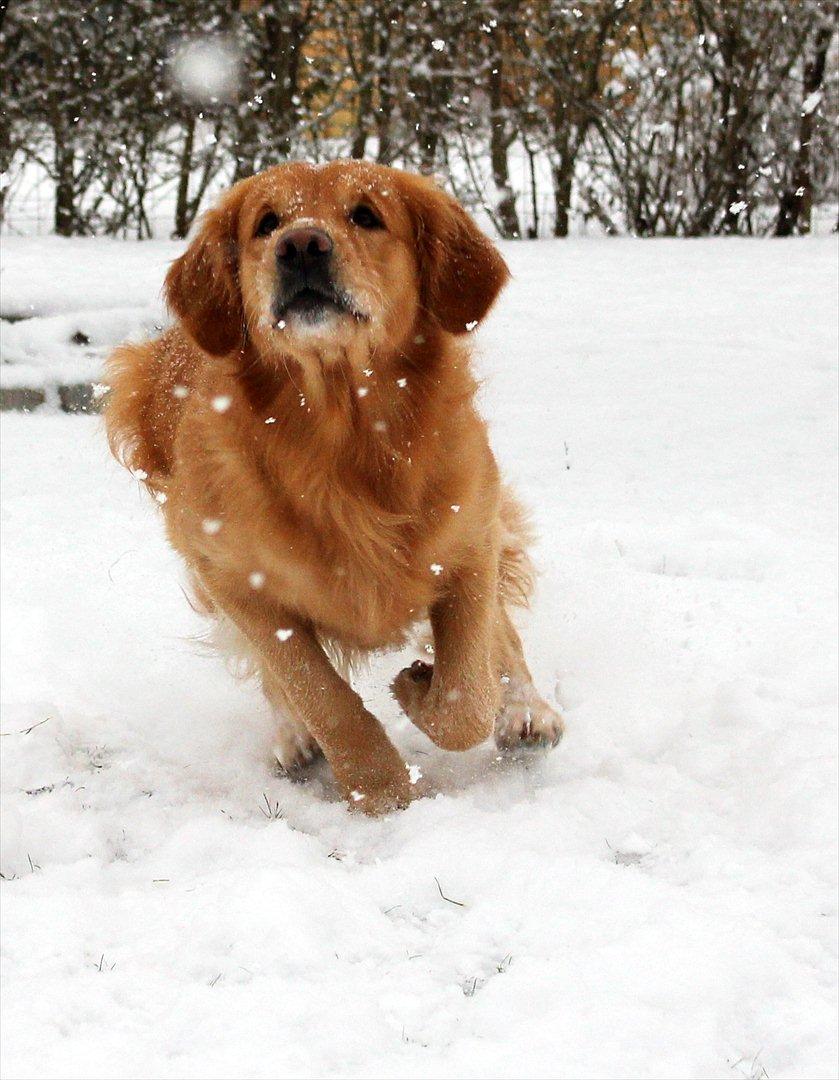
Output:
x=301 y=248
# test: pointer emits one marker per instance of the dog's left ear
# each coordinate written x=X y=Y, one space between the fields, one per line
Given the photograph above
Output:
x=202 y=286
x=461 y=271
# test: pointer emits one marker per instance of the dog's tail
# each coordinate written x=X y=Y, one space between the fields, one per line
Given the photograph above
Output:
x=148 y=383
x=127 y=406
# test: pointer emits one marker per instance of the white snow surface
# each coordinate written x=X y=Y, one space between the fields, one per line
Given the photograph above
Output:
x=655 y=898
x=66 y=302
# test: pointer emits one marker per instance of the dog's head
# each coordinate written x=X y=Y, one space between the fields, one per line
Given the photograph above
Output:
x=337 y=260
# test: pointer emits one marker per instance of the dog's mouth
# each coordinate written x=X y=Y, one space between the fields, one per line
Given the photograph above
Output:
x=314 y=303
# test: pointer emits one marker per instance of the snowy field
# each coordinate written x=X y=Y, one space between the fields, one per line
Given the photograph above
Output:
x=657 y=898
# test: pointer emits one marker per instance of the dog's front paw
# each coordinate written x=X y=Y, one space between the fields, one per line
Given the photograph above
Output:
x=410 y=687
x=529 y=724
x=383 y=794
x=295 y=751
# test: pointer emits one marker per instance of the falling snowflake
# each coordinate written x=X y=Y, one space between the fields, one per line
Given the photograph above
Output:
x=211 y=526
x=207 y=69
x=284 y=634
x=436 y=568
x=222 y=402
x=256 y=579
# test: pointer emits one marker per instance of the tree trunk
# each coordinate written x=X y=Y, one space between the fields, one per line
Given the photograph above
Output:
x=533 y=230
x=562 y=172
x=65 y=210
x=359 y=143
x=428 y=140
x=247 y=136
x=384 y=122
x=499 y=142
x=365 y=92
x=738 y=56
x=182 y=221
x=562 y=201
x=796 y=203
x=384 y=86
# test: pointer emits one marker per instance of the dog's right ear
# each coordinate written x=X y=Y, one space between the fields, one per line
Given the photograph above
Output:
x=202 y=286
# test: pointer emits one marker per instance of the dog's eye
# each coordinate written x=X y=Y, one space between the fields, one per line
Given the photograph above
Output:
x=267 y=223
x=365 y=218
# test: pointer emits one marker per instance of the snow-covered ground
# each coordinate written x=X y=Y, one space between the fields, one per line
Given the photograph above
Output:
x=657 y=898
x=65 y=303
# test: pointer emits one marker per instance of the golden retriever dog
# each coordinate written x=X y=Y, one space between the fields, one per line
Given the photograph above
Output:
x=309 y=430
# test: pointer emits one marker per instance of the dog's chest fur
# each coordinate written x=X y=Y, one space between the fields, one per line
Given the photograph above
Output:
x=344 y=518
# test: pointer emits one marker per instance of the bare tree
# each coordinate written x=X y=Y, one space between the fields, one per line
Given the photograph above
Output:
x=570 y=46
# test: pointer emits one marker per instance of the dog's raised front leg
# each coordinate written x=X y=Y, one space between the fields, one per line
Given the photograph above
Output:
x=455 y=702
x=369 y=771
